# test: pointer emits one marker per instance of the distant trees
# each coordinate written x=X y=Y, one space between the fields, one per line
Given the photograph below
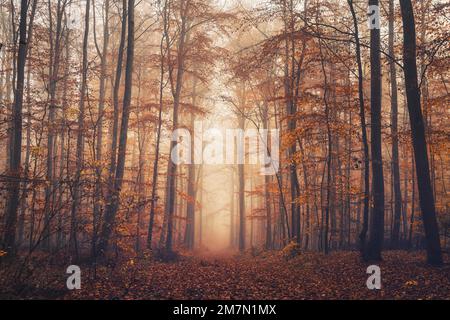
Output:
x=102 y=80
x=335 y=196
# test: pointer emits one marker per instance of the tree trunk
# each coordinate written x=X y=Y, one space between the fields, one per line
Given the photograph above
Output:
x=190 y=207
x=24 y=196
x=232 y=209
x=158 y=135
x=116 y=112
x=176 y=92
x=362 y=116
x=377 y=217
x=242 y=212
x=101 y=106
x=16 y=154
x=394 y=131
x=55 y=55
x=329 y=152
x=267 y=181
x=434 y=255
x=113 y=206
x=80 y=139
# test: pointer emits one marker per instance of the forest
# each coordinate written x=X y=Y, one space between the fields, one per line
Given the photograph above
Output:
x=224 y=149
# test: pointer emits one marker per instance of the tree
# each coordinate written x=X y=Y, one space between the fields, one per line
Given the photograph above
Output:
x=112 y=207
x=377 y=218
x=101 y=109
x=394 y=131
x=176 y=88
x=426 y=198
x=242 y=212
x=56 y=37
x=190 y=208
x=9 y=237
x=365 y=144
x=117 y=81
x=80 y=138
x=162 y=53
x=291 y=110
x=329 y=151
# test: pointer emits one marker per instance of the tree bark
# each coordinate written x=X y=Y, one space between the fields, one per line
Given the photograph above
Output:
x=377 y=217
x=16 y=154
x=101 y=106
x=394 y=131
x=176 y=91
x=329 y=152
x=365 y=144
x=190 y=207
x=55 y=55
x=73 y=243
x=158 y=134
x=426 y=198
x=113 y=206
x=241 y=208
x=117 y=79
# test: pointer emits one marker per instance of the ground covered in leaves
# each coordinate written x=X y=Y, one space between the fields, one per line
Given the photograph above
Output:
x=260 y=275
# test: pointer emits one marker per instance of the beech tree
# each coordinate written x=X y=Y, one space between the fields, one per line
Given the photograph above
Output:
x=16 y=142
x=376 y=234
x=112 y=207
x=434 y=255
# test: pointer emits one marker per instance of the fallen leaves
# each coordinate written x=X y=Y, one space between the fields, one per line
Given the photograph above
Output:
x=305 y=276
x=339 y=275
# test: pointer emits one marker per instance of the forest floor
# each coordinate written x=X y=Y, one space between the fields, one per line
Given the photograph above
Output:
x=266 y=275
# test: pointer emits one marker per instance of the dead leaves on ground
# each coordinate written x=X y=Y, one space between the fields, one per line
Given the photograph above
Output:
x=340 y=275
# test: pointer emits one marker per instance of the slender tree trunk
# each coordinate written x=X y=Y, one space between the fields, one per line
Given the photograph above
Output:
x=434 y=255
x=80 y=139
x=62 y=153
x=55 y=55
x=267 y=181
x=394 y=131
x=158 y=136
x=308 y=233
x=111 y=209
x=191 y=203
x=9 y=238
x=101 y=106
x=377 y=218
x=413 y=204
x=176 y=91
x=117 y=81
x=116 y=115
x=329 y=151
x=242 y=213
x=365 y=144
x=25 y=184
x=200 y=214
x=232 y=209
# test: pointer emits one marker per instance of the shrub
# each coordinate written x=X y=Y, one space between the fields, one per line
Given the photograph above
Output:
x=292 y=250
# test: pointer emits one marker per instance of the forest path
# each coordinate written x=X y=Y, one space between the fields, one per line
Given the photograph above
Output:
x=340 y=275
